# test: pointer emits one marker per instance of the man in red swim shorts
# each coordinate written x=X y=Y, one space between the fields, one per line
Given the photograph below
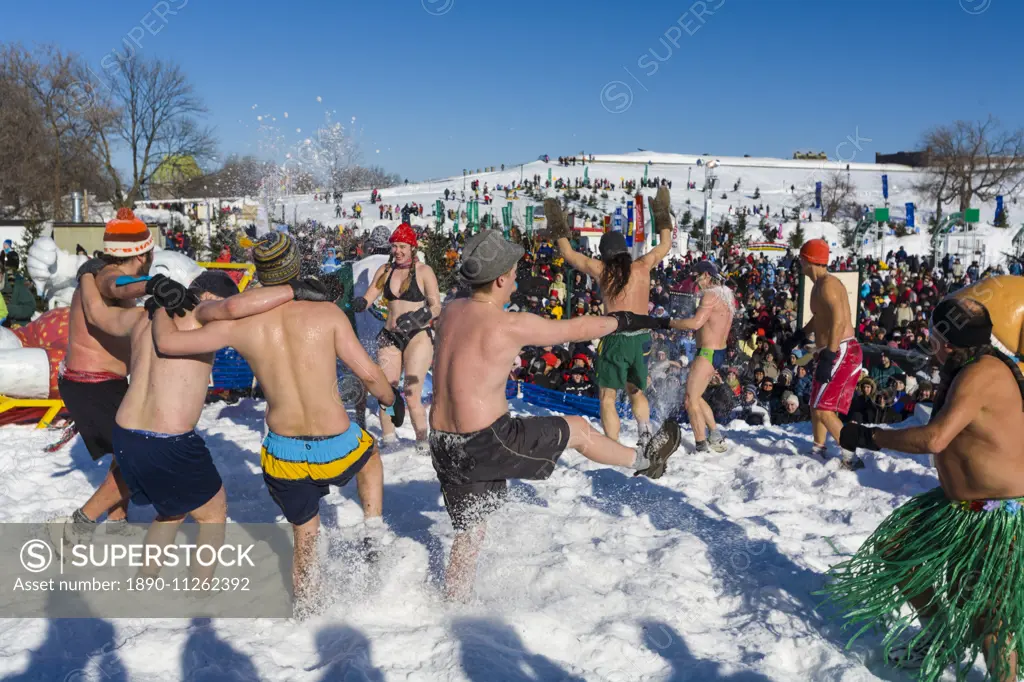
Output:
x=839 y=355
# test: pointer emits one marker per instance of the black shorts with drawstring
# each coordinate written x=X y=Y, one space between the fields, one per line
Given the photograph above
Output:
x=473 y=468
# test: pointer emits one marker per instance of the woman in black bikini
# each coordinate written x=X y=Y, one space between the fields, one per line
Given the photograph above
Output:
x=406 y=343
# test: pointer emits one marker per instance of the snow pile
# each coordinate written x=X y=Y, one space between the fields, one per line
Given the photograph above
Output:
x=708 y=573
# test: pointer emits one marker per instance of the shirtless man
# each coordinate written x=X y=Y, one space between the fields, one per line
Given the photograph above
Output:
x=954 y=561
x=839 y=355
x=474 y=443
x=162 y=459
x=712 y=324
x=93 y=380
x=293 y=351
x=625 y=286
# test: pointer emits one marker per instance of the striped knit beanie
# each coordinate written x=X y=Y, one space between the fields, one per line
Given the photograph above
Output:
x=276 y=258
x=126 y=236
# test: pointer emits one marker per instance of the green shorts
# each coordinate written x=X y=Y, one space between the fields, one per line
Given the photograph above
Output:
x=622 y=358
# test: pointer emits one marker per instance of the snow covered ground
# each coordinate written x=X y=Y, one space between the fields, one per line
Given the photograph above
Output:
x=709 y=573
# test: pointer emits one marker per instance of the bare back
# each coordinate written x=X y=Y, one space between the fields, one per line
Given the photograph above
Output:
x=474 y=348
x=166 y=395
x=830 y=310
x=985 y=459
x=635 y=296
x=89 y=348
x=714 y=333
x=292 y=352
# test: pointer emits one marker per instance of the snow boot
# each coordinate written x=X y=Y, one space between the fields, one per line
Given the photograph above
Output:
x=660 y=448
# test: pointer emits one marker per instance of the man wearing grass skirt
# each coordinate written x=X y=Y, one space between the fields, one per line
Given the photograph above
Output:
x=953 y=553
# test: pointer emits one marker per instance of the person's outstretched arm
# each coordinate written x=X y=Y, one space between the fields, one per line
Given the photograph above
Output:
x=707 y=305
x=967 y=396
x=560 y=231
x=169 y=340
x=533 y=330
x=113 y=320
x=106 y=282
x=351 y=352
x=662 y=221
x=361 y=303
x=246 y=304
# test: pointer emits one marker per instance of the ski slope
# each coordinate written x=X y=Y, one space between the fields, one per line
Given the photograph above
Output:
x=709 y=573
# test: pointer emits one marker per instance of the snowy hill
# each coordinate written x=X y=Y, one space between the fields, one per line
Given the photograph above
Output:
x=709 y=573
x=774 y=179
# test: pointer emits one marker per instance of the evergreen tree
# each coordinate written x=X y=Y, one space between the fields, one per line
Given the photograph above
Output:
x=435 y=246
x=797 y=238
x=757 y=192
x=741 y=225
x=686 y=219
x=33 y=231
x=1002 y=219
x=768 y=231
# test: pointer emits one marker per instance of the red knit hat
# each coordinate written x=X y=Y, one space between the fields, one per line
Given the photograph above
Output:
x=815 y=251
x=126 y=236
x=404 y=234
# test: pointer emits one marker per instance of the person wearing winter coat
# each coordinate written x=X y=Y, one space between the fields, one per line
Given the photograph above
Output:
x=22 y=302
x=578 y=383
x=883 y=372
x=862 y=399
x=790 y=410
x=749 y=410
x=880 y=410
x=802 y=383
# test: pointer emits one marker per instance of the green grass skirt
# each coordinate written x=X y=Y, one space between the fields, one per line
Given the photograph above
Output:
x=965 y=553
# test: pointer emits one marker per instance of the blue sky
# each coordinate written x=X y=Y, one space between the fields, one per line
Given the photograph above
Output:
x=440 y=85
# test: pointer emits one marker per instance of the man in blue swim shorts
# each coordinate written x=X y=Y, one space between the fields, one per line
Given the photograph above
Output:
x=165 y=463
x=293 y=350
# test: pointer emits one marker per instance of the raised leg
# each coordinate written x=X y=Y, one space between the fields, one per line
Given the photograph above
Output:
x=609 y=417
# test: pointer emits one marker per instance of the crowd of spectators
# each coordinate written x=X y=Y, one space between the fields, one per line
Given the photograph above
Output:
x=758 y=383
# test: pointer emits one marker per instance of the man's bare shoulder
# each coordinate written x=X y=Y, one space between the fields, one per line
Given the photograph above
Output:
x=990 y=379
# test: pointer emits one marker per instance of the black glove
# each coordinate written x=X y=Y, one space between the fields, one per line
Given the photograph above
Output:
x=793 y=341
x=413 y=321
x=855 y=436
x=91 y=267
x=151 y=306
x=175 y=297
x=631 y=322
x=309 y=289
x=823 y=372
x=396 y=411
x=359 y=304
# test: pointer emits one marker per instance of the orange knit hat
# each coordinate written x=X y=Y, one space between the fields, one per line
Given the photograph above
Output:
x=126 y=236
x=815 y=251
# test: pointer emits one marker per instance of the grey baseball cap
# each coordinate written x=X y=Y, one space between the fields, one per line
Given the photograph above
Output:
x=487 y=256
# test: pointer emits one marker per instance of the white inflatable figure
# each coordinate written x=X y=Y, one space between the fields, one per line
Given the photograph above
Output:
x=53 y=271
x=177 y=266
x=24 y=372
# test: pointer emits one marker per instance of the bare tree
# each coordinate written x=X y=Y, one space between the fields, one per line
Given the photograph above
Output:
x=972 y=160
x=158 y=120
x=837 y=197
x=48 y=125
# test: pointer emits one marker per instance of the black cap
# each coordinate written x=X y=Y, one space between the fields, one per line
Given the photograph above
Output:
x=612 y=244
x=707 y=267
x=962 y=323
x=216 y=282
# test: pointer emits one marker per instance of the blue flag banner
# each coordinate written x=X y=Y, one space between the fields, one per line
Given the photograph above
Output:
x=885 y=186
x=999 y=205
x=817 y=195
x=910 y=214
